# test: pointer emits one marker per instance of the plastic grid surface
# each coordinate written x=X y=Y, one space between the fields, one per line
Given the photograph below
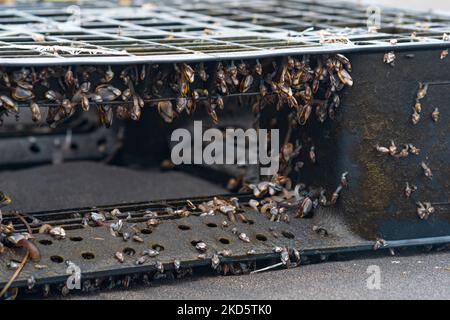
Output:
x=106 y=32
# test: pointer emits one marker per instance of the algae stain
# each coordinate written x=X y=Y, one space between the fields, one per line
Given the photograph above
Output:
x=376 y=188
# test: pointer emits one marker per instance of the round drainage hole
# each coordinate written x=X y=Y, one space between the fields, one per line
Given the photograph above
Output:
x=76 y=239
x=261 y=237
x=211 y=225
x=129 y=251
x=287 y=235
x=46 y=242
x=224 y=241
x=74 y=147
x=88 y=255
x=158 y=247
x=184 y=227
x=146 y=231
x=57 y=259
x=34 y=148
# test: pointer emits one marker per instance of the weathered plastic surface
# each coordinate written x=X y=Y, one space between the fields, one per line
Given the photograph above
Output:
x=377 y=110
x=93 y=248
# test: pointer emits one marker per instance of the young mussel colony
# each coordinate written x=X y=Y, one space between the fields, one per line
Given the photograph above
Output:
x=174 y=88
x=303 y=88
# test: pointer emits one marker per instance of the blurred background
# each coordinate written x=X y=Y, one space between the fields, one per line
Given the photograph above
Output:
x=410 y=4
x=415 y=4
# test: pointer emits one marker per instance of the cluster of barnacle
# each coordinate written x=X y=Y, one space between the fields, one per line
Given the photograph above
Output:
x=417 y=109
x=301 y=84
x=64 y=91
x=174 y=89
x=276 y=199
x=304 y=84
x=395 y=152
x=235 y=211
x=423 y=209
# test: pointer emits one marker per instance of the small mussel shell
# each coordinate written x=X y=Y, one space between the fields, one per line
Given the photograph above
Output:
x=22 y=94
x=36 y=115
x=119 y=256
x=244 y=237
x=166 y=111
x=189 y=73
x=108 y=92
x=151 y=253
x=201 y=246
x=9 y=104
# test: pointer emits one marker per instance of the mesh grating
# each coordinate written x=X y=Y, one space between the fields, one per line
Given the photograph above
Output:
x=106 y=32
